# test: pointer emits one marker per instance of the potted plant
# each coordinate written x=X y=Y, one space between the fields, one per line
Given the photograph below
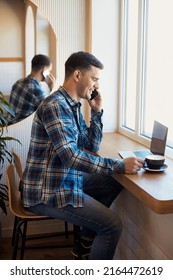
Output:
x=5 y=153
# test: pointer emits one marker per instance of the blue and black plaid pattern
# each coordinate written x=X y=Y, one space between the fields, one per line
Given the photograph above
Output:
x=25 y=97
x=57 y=155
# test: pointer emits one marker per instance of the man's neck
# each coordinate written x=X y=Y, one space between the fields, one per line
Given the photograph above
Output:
x=71 y=90
x=36 y=75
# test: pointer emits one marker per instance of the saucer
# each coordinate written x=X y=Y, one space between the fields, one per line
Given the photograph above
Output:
x=162 y=168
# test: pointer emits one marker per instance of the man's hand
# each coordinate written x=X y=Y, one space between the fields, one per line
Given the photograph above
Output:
x=50 y=80
x=133 y=164
x=96 y=103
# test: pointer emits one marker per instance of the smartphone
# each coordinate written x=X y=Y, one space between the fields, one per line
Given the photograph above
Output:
x=46 y=73
x=93 y=94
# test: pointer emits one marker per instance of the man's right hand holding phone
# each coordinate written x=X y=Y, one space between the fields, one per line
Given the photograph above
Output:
x=96 y=100
x=49 y=79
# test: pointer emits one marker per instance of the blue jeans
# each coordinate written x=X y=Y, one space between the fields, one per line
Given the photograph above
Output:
x=96 y=216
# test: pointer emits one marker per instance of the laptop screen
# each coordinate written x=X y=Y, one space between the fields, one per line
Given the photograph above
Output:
x=159 y=137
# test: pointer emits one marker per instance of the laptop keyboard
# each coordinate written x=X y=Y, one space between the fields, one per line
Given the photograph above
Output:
x=142 y=154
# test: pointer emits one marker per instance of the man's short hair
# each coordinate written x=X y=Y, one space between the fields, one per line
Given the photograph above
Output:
x=82 y=61
x=39 y=61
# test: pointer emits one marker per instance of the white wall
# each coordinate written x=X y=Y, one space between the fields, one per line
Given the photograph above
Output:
x=105 y=41
x=67 y=18
x=29 y=40
x=42 y=35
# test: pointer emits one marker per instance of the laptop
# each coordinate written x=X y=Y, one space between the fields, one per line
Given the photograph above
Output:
x=157 y=145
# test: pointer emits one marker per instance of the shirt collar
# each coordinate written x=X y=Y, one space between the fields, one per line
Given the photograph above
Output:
x=33 y=78
x=72 y=102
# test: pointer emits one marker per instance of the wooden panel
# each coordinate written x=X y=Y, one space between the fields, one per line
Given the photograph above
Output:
x=11 y=59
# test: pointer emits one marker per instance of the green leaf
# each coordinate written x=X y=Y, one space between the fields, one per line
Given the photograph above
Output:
x=7 y=108
x=3 y=206
x=5 y=105
x=5 y=153
x=9 y=138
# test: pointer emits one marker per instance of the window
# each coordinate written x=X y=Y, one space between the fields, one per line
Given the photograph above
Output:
x=146 y=80
x=11 y=44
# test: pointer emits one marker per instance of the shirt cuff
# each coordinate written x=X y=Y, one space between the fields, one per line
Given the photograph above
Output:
x=95 y=114
x=119 y=166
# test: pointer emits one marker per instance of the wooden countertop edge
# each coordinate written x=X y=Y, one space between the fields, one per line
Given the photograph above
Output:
x=114 y=140
x=158 y=206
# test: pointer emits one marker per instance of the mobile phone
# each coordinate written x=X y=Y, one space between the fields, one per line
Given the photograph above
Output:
x=93 y=94
x=46 y=73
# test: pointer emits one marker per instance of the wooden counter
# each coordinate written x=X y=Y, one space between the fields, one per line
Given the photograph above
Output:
x=153 y=189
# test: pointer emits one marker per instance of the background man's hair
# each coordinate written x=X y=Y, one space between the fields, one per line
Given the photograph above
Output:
x=81 y=61
x=39 y=61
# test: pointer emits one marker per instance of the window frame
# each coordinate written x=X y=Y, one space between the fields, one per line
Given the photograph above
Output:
x=137 y=134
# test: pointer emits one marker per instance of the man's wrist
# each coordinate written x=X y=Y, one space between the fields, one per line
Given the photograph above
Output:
x=94 y=113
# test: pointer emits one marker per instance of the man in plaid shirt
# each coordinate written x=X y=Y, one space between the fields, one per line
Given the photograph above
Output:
x=61 y=179
x=27 y=93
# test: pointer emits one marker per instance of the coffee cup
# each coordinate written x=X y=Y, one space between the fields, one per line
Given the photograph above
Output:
x=154 y=161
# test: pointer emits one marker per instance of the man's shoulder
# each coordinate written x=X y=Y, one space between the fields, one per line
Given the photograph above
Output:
x=18 y=82
x=55 y=98
x=27 y=87
x=55 y=101
x=23 y=82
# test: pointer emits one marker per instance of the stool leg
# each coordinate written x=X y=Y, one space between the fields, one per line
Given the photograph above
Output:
x=16 y=240
x=23 y=240
x=16 y=220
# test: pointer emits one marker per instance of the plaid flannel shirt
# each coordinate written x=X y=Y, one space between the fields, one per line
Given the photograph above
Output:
x=57 y=159
x=25 y=97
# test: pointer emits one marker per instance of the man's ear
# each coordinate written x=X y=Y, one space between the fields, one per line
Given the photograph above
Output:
x=76 y=75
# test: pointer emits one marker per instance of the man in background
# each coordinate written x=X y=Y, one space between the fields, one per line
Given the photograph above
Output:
x=27 y=93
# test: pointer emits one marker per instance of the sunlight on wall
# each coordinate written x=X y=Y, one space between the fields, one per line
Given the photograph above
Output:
x=29 y=39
